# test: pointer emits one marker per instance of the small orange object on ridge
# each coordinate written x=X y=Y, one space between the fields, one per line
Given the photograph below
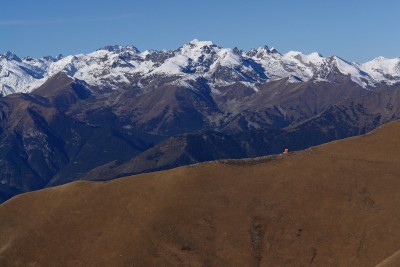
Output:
x=286 y=151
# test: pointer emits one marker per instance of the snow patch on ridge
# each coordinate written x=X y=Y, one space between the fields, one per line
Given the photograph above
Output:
x=383 y=69
x=173 y=65
x=228 y=58
x=251 y=85
x=356 y=75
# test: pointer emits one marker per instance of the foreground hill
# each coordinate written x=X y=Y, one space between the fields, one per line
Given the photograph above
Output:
x=332 y=205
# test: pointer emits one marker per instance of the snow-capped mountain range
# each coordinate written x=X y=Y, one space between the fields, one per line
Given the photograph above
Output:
x=113 y=67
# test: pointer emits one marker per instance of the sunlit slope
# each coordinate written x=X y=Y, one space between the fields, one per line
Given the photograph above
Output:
x=332 y=205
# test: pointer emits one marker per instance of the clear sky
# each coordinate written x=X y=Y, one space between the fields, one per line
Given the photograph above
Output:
x=357 y=30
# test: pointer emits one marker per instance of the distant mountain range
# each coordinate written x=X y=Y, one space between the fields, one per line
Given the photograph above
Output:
x=113 y=67
x=118 y=111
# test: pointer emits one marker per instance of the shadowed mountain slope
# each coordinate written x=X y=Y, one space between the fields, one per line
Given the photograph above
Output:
x=331 y=205
x=68 y=130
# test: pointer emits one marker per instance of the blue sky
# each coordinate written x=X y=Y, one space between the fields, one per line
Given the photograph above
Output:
x=353 y=29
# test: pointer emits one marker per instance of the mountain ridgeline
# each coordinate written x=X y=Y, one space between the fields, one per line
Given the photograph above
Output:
x=118 y=111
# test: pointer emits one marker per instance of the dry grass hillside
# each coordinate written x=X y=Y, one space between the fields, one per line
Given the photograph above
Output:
x=332 y=205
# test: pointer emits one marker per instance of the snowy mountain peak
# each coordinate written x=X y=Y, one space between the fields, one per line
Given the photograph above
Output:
x=262 y=51
x=51 y=58
x=357 y=75
x=10 y=56
x=383 y=69
x=311 y=59
x=272 y=50
x=198 y=43
x=120 y=48
x=264 y=48
x=114 y=67
x=316 y=55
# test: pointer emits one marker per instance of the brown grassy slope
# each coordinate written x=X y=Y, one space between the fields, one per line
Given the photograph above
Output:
x=332 y=205
x=392 y=261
